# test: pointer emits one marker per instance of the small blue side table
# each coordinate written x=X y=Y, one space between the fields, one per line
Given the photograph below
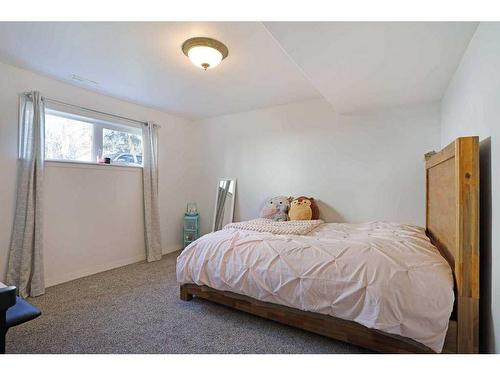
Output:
x=191 y=228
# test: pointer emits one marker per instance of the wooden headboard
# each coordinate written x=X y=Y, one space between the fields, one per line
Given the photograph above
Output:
x=452 y=223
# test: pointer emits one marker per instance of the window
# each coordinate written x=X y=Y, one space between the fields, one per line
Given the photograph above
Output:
x=68 y=139
x=78 y=138
x=122 y=146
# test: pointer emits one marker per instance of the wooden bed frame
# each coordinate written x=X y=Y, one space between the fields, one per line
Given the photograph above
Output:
x=452 y=224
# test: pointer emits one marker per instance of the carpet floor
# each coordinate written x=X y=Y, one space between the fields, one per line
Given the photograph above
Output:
x=136 y=309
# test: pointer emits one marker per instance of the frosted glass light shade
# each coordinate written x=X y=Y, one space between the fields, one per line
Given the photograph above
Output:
x=204 y=57
x=205 y=53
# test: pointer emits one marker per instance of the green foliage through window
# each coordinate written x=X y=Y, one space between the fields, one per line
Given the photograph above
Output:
x=115 y=142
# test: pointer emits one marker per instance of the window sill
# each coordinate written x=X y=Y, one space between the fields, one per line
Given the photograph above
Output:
x=89 y=165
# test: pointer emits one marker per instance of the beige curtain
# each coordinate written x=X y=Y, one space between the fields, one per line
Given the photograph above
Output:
x=25 y=266
x=152 y=232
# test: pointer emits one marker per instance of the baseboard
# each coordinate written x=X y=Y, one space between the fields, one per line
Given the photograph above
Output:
x=59 y=279
x=171 y=249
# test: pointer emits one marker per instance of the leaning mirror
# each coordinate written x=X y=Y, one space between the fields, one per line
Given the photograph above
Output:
x=224 y=203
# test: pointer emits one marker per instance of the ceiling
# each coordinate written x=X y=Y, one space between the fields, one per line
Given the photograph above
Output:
x=355 y=66
x=144 y=63
x=359 y=66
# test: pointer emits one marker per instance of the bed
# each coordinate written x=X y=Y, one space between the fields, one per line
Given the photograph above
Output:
x=385 y=286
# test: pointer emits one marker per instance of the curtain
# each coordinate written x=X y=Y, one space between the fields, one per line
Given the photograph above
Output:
x=152 y=233
x=25 y=266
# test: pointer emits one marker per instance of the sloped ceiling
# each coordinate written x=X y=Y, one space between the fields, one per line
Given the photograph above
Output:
x=360 y=66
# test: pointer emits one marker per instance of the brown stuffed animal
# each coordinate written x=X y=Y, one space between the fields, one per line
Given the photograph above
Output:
x=303 y=208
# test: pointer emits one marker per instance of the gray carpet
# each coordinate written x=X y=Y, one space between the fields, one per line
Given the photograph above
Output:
x=136 y=309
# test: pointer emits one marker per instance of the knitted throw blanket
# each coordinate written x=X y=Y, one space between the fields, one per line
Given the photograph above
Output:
x=296 y=227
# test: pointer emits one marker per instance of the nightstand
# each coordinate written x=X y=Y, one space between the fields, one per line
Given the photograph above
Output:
x=191 y=230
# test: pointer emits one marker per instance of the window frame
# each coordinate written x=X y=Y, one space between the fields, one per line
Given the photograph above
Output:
x=98 y=124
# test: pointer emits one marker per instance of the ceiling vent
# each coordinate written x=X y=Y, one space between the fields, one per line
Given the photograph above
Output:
x=76 y=77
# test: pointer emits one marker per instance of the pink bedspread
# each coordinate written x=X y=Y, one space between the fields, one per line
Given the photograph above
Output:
x=382 y=275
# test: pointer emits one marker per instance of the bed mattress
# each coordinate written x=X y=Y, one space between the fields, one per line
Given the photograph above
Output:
x=382 y=275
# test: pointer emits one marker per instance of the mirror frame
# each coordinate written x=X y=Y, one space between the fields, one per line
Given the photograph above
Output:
x=217 y=195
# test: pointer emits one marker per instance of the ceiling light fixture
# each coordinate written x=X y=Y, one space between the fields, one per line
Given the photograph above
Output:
x=205 y=53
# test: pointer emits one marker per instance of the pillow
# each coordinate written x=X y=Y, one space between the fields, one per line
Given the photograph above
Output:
x=276 y=208
x=303 y=208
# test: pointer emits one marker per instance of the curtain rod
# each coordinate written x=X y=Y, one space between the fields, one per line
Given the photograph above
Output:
x=44 y=98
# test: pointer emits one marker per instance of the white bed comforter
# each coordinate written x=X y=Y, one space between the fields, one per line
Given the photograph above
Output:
x=382 y=275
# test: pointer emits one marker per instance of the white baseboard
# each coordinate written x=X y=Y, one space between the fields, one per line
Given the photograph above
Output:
x=59 y=279
x=171 y=248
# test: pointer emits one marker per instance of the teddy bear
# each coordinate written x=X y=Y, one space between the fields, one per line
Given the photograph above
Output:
x=276 y=208
x=303 y=208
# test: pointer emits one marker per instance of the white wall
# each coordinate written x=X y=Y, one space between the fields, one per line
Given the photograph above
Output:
x=93 y=214
x=93 y=219
x=471 y=106
x=361 y=167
